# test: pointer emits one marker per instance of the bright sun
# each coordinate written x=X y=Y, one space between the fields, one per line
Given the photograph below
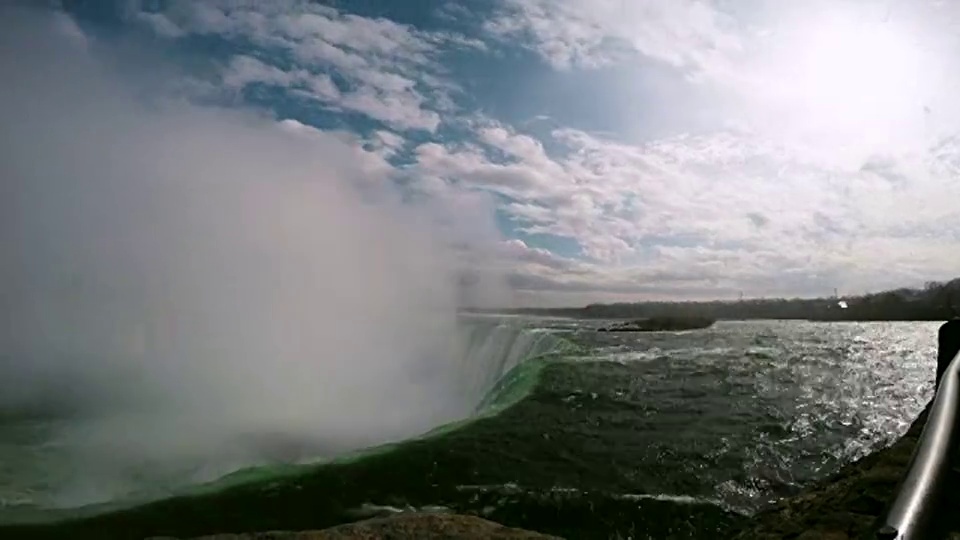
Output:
x=850 y=64
x=848 y=73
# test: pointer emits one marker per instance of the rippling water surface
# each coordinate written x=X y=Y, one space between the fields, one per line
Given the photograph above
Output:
x=761 y=408
x=660 y=435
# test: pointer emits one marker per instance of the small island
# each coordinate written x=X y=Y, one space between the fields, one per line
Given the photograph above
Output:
x=660 y=324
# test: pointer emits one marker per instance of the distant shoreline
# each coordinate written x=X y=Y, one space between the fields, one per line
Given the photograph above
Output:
x=569 y=313
x=934 y=302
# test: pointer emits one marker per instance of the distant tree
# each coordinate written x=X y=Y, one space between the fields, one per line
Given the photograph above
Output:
x=936 y=301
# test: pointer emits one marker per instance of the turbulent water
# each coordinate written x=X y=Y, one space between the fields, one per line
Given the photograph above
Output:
x=46 y=463
x=597 y=434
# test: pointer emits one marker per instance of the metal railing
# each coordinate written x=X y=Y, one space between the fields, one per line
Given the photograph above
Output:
x=914 y=512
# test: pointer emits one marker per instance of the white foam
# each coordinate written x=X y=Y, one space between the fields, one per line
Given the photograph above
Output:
x=663 y=497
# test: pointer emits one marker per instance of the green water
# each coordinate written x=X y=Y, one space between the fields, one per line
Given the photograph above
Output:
x=668 y=435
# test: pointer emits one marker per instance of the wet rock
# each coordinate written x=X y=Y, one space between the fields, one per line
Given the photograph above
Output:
x=846 y=505
x=400 y=527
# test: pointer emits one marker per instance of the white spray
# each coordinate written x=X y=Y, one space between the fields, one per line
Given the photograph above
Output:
x=190 y=282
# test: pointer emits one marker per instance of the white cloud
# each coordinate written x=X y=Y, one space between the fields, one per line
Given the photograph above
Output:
x=517 y=250
x=851 y=77
x=161 y=24
x=374 y=58
x=721 y=212
x=471 y=166
x=403 y=110
x=817 y=186
x=387 y=143
x=681 y=33
x=244 y=70
x=68 y=28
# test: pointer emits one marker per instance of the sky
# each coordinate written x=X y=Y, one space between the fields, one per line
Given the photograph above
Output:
x=605 y=150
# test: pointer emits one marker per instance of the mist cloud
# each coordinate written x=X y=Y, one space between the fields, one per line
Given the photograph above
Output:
x=182 y=279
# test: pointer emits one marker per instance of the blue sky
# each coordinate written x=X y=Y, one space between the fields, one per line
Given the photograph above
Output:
x=606 y=150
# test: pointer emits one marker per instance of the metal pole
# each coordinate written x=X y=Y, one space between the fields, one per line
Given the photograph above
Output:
x=914 y=512
x=948 y=345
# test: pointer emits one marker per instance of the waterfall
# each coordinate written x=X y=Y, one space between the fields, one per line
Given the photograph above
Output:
x=493 y=353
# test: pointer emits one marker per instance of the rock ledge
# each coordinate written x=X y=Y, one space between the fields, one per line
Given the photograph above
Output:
x=400 y=527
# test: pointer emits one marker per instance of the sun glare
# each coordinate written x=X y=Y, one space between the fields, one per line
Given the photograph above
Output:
x=842 y=73
x=849 y=65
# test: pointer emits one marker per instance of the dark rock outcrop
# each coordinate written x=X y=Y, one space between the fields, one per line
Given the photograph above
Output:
x=412 y=526
x=660 y=324
x=848 y=504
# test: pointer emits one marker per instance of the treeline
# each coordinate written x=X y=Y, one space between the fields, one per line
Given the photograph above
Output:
x=935 y=302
